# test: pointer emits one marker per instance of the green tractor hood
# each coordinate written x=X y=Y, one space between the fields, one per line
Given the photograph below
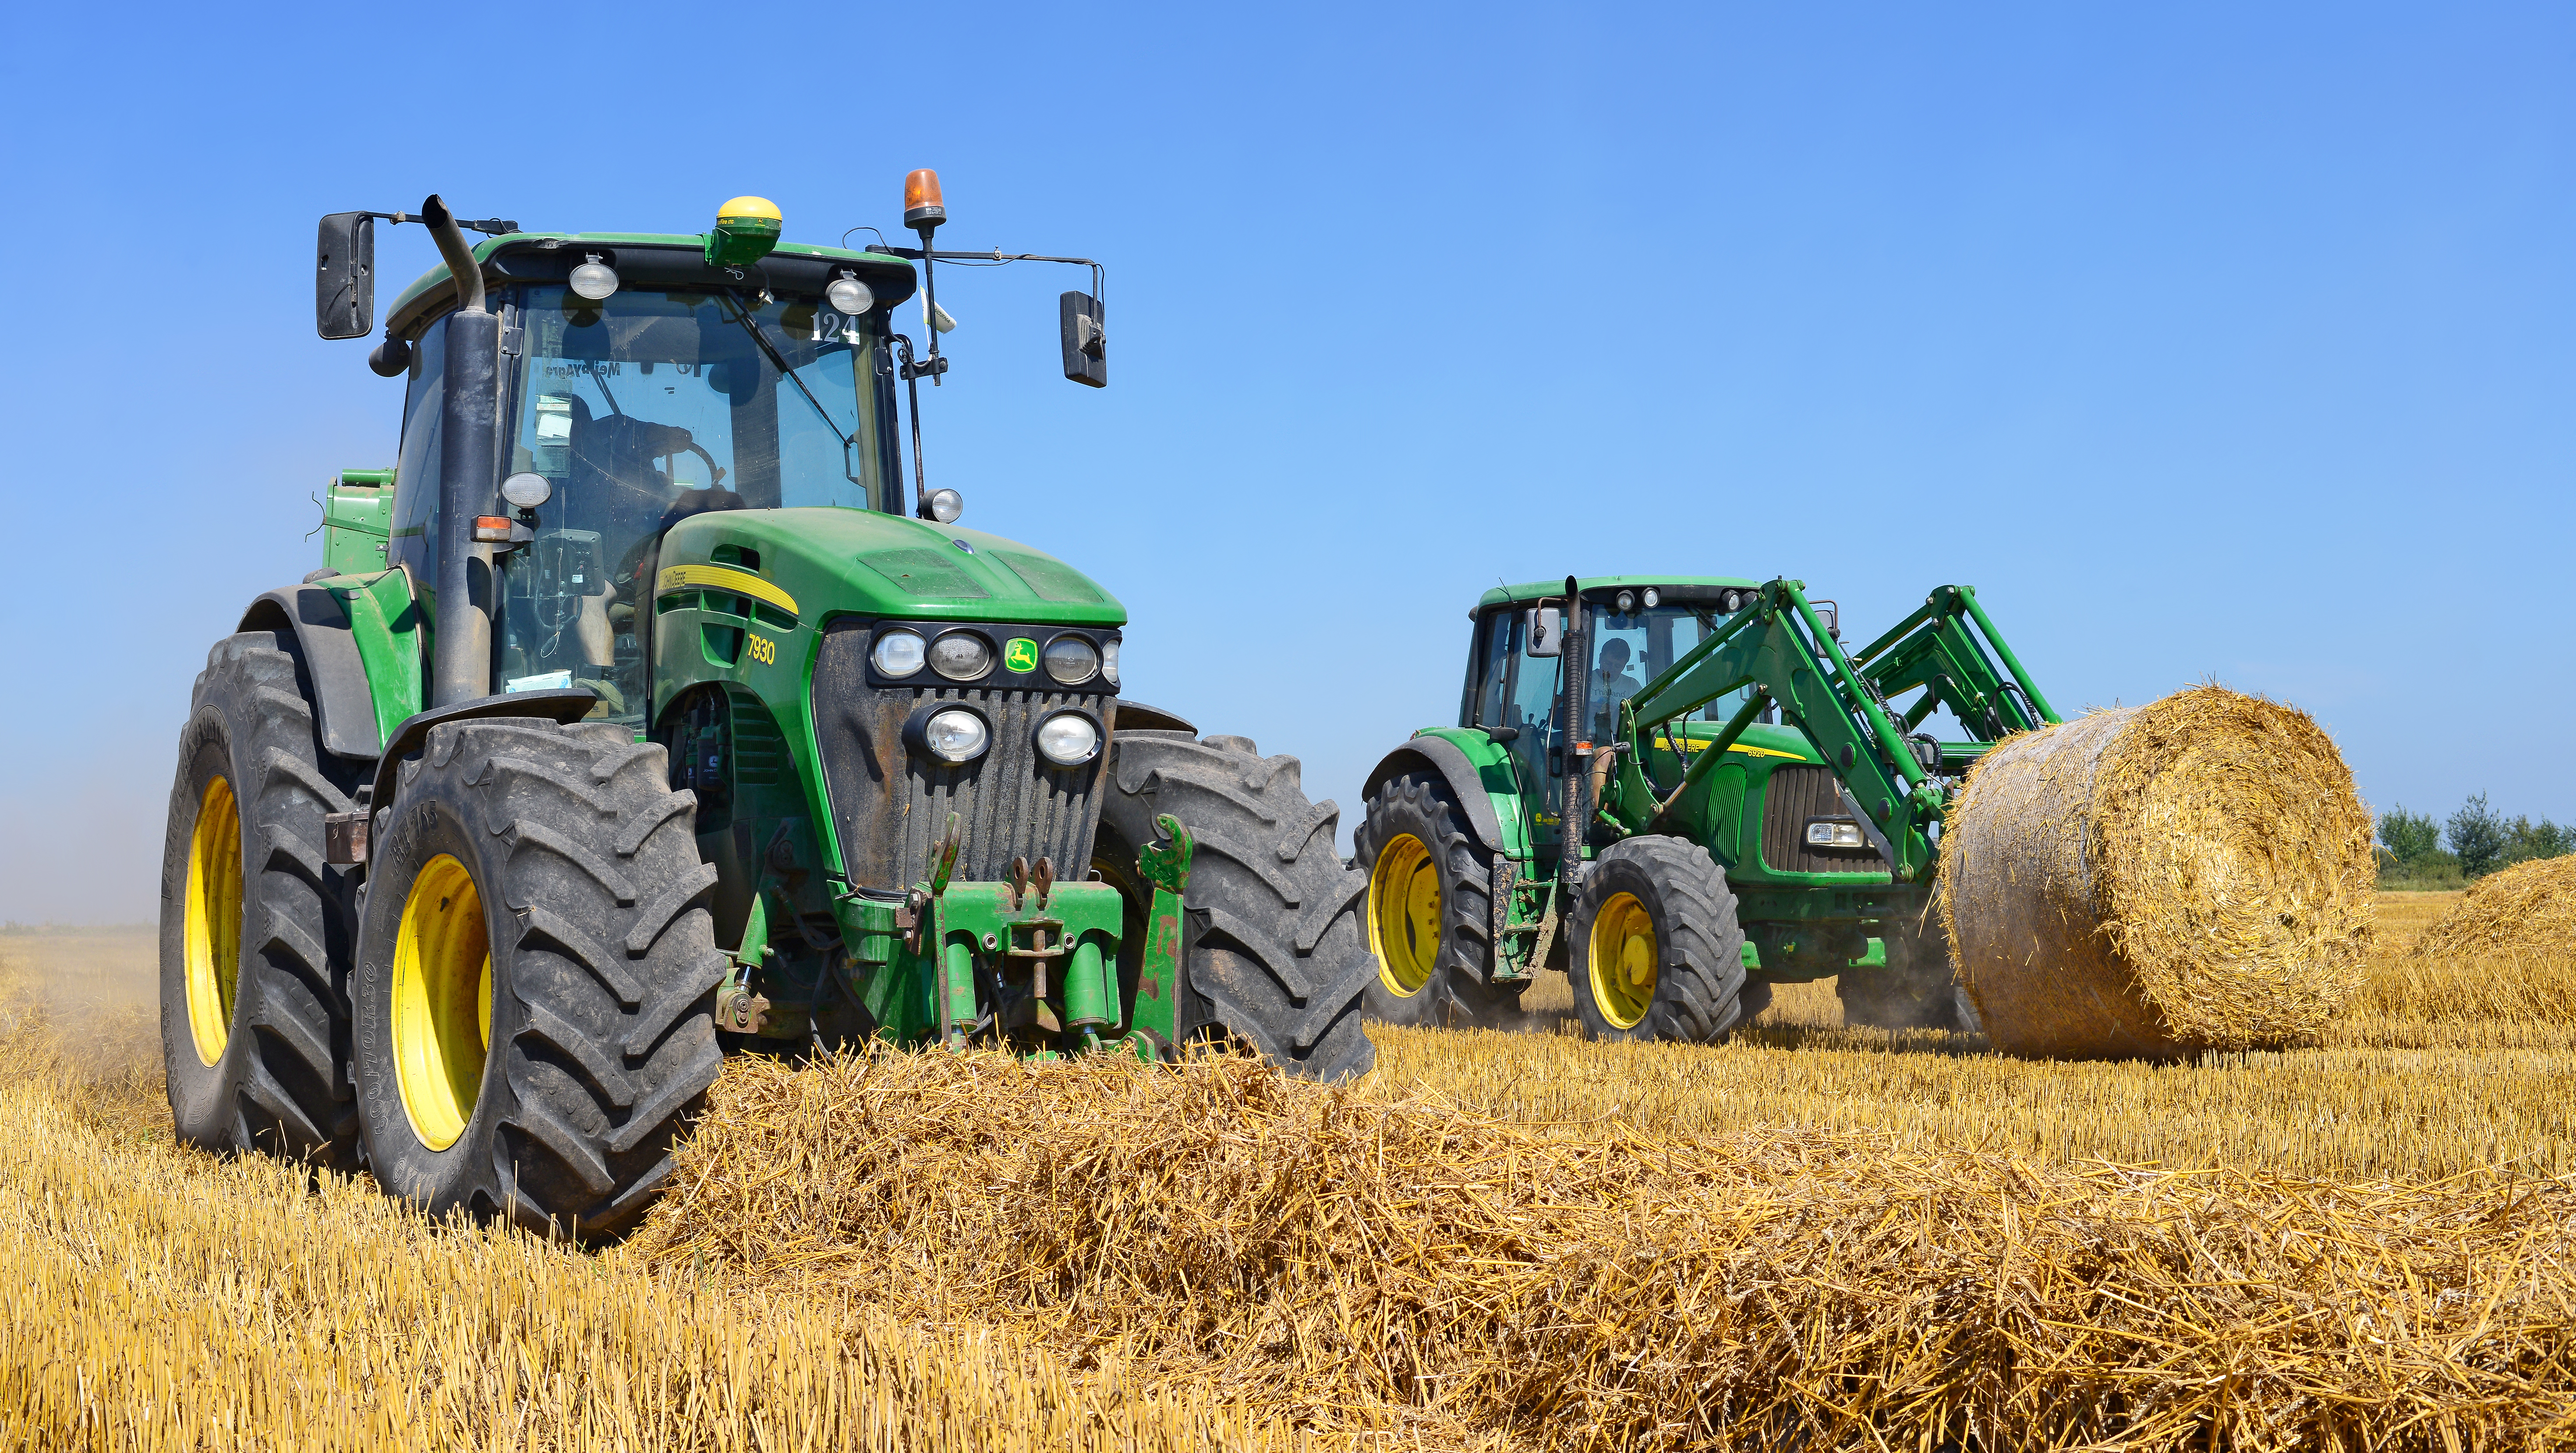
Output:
x=819 y=563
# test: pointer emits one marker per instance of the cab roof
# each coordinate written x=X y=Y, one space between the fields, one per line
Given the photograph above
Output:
x=646 y=259
x=1691 y=588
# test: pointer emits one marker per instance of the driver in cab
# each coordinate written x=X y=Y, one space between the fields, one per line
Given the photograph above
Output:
x=1610 y=685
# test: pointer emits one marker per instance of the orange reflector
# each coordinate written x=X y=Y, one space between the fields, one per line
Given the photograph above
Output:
x=492 y=529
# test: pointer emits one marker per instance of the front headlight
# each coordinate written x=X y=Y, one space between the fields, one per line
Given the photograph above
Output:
x=961 y=656
x=897 y=653
x=1109 y=661
x=1834 y=835
x=1068 y=739
x=956 y=736
x=1071 y=660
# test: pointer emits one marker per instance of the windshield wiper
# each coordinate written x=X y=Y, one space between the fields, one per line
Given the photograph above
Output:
x=849 y=442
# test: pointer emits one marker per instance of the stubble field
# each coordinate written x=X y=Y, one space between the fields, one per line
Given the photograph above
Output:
x=1812 y=1236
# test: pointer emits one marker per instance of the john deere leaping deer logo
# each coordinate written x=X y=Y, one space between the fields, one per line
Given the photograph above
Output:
x=1020 y=654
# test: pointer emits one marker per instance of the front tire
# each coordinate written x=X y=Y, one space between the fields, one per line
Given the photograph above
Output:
x=254 y=939
x=1274 y=953
x=535 y=989
x=1657 y=953
x=1428 y=909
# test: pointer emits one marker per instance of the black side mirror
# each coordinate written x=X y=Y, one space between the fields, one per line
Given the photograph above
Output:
x=344 y=276
x=1546 y=631
x=1086 y=345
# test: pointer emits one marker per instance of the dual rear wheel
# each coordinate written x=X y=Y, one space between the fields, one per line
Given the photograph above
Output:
x=513 y=1018
x=533 y=996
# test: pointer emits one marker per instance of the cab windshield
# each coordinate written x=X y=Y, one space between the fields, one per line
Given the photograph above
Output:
x=1629 y=650
x=649 y=407
x=697 y=400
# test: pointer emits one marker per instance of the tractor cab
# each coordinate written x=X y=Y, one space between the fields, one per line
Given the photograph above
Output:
x=1633 y=628
x=639 y=387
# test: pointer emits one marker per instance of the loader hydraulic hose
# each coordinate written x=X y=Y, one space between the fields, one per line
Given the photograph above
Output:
x=468 y=474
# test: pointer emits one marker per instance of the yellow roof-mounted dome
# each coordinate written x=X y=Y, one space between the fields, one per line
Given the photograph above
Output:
x=746 y=229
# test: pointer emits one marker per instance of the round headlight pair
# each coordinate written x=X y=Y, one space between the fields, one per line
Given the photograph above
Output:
x=957 y=655
x=956 y=735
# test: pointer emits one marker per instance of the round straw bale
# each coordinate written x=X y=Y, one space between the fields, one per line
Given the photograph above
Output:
x=2195 y=873
x=2529 y=907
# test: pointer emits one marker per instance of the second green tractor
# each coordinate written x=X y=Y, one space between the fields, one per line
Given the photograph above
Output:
x=1750 y=803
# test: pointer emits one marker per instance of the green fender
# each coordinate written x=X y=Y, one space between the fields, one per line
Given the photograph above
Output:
x=1479 y=773
x=360 y=638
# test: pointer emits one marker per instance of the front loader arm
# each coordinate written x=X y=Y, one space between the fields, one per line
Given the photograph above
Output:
x=1779 y=647
x=1840 y=704
x=1934 y=648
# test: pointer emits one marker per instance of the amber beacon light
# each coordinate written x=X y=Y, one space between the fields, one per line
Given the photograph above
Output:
x=923 y=209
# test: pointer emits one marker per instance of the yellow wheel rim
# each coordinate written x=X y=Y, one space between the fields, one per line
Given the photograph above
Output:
x=212 y=944
x=1404 y=915
x=442 y=1010
x=1624 y=959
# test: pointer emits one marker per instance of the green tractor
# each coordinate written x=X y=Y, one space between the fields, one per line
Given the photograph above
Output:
x=633 y=718
x=1756 y=806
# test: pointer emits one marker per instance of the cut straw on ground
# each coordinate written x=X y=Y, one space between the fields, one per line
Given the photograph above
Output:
x=1331 y=1249
x=1818 y=1237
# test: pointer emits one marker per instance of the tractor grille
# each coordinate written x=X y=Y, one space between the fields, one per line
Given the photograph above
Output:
x=1795 y=795
x=890 y=804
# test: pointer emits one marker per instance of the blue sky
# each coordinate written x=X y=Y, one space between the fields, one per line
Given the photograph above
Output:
x=2207 y=341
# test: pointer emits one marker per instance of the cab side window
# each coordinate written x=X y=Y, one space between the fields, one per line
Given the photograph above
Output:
x=415 y=524
x=1493 y=666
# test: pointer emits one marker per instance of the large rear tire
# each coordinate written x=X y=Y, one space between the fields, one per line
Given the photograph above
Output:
x=535 y=989
x=254 y=932
x=1274 y=953
x=1657 y=953
x=1428 y=909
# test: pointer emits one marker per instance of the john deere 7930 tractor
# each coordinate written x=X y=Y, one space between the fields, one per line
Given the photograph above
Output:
x=1752 y=805
x=634 y=717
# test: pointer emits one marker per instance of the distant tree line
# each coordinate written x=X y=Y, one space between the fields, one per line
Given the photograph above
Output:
x=2475 y=841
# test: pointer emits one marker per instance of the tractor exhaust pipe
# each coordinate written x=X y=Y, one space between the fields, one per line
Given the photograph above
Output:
x=468 y=474
x=1576 y=826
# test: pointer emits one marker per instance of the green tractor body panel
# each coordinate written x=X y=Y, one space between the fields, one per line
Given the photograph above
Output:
x=357 y=519
x=742 y=600
x=393 y=643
